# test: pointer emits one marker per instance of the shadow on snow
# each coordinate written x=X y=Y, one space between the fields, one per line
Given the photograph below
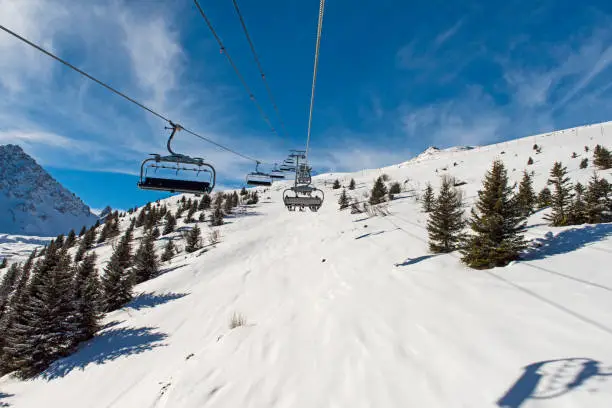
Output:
x=105 y=347
x=551 y=379
x=147 y=300
x=567 y=241
x=370 y=234
x=412 y=261
x=4 y=395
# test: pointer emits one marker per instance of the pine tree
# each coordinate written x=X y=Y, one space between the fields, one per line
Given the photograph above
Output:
x=577 y=213
x=217 y=217
x=526 y=198
x=170 y=223
x=85 y=244
x=584 y=163
x=86 y=298
x=105 y=229
x=46 y=329
x=190 y=214
x=150 y=219
x=71 y=239
x=394 y=189
x=227 y=206
x=4 y=263
x=446 y=223
x=9 y=282
x=243 y=192
x=496 y=222
x=145 y=261
x=343 y=200
x=193 y=239
x=428 y=198
x=544 y=198
x=561 y=197
x=83 y=231
x=530 y=161
x=352 y=184
x=140 y=220
x=379 y=191
x=235 y=199
x=117 y=281
x=59 y=241
x=169 y=251
x=218 y=199
x=598 y=200
x=336 y=184
x=202 y=217
x=253 y=198
x=602 y=158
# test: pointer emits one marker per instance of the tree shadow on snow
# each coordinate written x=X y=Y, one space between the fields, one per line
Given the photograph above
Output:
x=567 y=241
x=4 y=395
x=167 y=270
x=147 y=300
x=370 y=234
x=551 y=379
x=412 y=261
x=105 y=347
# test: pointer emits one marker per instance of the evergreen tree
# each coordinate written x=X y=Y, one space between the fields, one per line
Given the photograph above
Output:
x=394 y=189
x=86 y=298
x=243 y=192
x=105 y=229
x=140 y=220
x=83 y=231
x=193 y=239
x=379 y=191
x=584 y=163
x=217 y=217
x=190 y=214
x=169 y=251
x=577 y=213
x=46 y=329
x=85 y=244
x=598 y=200
x=526 y=198
x=496 y=222
x=235 y=199
x=561 y=197
x=446 y=223
x=544 y=198
x=343 y=200
x=336 y=184
x=155 y=232
x=602 y=158
x=202 y=217
x=170 y=223
x=352 y=184
x=117 y=281
x=71 y=239
x=9 y=281
x=151 y=219
x=96 y=225
x=145 y=261
x=205 y=202
x=253 y=198
x=227 y=205
x=428 y=198
x=529 y=161
x=4 y=263
x=59 y=241
x=218 y=199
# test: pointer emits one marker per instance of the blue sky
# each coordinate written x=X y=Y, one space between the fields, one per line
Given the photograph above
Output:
x=394 y=78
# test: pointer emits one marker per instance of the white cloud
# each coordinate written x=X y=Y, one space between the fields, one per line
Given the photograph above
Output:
x=448 y=34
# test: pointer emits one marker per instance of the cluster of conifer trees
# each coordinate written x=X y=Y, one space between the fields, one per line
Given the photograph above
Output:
x=499 y=215
x=54 y=301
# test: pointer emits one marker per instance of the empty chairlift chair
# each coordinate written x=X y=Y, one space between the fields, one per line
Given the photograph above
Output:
x=161 y=173
x=258 y=178
x=304 y=195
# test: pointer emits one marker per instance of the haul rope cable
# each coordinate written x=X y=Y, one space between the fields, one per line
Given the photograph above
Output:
x=314 y=75
x=261 y=72
x=140 y=105
x=231 y=61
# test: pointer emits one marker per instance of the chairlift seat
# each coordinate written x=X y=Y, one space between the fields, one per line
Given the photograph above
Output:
x=255 y=182
x=174 y=186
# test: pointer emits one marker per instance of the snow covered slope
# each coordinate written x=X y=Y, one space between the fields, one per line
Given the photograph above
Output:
x=348 y=311
x=32 y=202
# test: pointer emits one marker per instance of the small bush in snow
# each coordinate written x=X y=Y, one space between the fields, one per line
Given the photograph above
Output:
x=214 y=237
x=584 y=163
x=237 y=320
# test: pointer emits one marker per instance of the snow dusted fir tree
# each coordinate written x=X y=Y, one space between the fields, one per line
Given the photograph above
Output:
x=496 y=223
x=170 y=223
x=352 y=184
x=193 y=239
x=577 y=211
x=428 y=198
x=446 y=223
x=526 y=197
x=379 y=191
x=117 y=281
x=146 y=265
x=169 y=251
x=86 y=298
x=561 y=196
x=343 y=200
x=544 y=198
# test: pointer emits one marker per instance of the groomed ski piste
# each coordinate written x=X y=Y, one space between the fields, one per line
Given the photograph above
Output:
x=346 y=310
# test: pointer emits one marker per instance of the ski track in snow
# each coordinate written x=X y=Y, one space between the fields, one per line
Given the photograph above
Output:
x=350 y=311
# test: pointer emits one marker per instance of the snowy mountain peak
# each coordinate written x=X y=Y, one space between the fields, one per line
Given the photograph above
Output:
x=33 y=202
